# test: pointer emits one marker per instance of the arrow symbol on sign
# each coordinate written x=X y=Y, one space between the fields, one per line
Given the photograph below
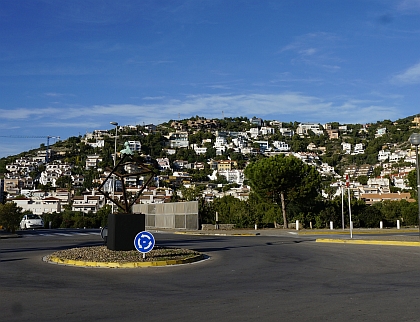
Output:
x=148 y=246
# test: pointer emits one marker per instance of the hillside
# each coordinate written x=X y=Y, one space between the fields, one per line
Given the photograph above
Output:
x=154 y=141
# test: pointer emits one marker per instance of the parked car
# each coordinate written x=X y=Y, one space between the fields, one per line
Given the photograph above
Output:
x=31 y=221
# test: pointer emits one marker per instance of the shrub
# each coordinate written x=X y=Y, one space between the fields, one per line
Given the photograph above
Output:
x=10 y=216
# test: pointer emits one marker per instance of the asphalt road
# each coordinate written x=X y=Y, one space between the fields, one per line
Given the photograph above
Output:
x=265 y=278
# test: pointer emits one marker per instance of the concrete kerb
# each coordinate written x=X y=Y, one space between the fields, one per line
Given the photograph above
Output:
x=9 y=235
x=369 y=242
x=358 y=231
x=69 y=262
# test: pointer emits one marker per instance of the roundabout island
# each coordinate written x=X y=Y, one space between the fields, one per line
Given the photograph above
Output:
x=101 y=256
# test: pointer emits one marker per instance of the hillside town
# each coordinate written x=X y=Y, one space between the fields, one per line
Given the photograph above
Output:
x=35 y=182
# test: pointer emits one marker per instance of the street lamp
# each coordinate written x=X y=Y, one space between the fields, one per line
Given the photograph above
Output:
x=415 y=140
x=115 y=160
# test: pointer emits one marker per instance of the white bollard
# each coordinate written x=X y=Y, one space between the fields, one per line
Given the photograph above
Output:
x=331 y=225
x=398 y=224
x=297 y=224
x=256 y=226
x=381 y=224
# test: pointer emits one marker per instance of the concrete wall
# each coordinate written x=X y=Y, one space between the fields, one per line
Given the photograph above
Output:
x=176 y=215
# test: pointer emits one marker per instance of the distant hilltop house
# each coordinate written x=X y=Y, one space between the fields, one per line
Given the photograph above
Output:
x=195 y=124
x=97 y=144
x=134 y=146
x=287 y=132
x=179 y=139
x=346 y=147
x=281 y=146
x=92 y=161
x=264 y=130
x=202 y=123
x=333 y=134
x=305 y=128
x=383 y=155
x=380 y=132
x=163 y=163
x=397 y=156
x=53 y=172
x=198 y=149
x=276 y=124
x=256 y=121
x=358 y=149
x=416 y=122
x=233 y=176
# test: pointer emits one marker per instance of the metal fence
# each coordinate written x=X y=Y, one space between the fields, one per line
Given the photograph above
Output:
x=176 y=215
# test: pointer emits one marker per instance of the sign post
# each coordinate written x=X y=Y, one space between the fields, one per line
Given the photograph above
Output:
x=144 y=242
x=348 y=190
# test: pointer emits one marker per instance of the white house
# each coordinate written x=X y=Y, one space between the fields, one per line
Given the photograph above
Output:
x=304 y=128
x=346 y=147
x=265 y=130
x=380 y=132
x=233 y=176
x=358 y=149
x=87 y=203
x=163 y=163
x=342 y=128
x=220 y=145
x=281 y=146
x=97 y=144
x=263 y=145
x=220 y=141
x=383 y=155
x=254 y=132
x=134 y=146
x=287 y=132
x=179 y=140
x=92 y=161
x=240 y=142
x=198 y=149
x=38 y=206
x=378 y=182
x=397 y=156
x=326 y=169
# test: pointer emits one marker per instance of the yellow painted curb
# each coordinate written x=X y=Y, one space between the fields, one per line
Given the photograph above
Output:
x=368 y=242
x=360 y=232
x=125 y=265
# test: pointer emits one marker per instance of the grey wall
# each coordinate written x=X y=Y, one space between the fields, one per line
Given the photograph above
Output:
x=176 y=215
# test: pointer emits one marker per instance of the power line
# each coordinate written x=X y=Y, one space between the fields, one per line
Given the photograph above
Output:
x=48 y=137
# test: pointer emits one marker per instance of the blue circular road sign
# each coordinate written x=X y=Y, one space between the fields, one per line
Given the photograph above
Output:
x=144 y=242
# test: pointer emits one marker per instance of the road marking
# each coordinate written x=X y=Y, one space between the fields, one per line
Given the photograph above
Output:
x=59 y=234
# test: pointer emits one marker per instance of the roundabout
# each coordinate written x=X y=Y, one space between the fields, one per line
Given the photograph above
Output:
x=100 y=256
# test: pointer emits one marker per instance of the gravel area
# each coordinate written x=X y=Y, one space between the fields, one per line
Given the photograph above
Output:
x=103 y=254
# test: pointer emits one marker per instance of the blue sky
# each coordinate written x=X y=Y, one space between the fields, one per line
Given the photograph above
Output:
x=70 y=67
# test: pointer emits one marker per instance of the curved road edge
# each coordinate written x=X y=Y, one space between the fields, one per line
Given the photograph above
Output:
x=69 y=262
